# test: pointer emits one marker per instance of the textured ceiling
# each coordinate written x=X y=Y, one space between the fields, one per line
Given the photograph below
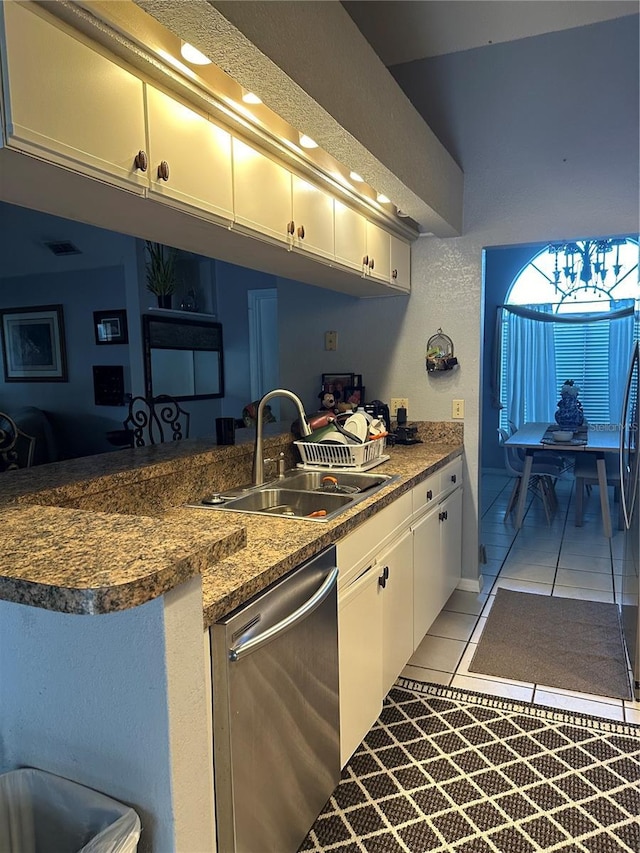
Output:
x=404 y=30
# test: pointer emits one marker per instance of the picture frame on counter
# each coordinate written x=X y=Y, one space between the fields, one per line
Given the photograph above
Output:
x=33 y=344
x=336 y=383
x=355 y=395
x=110 y=327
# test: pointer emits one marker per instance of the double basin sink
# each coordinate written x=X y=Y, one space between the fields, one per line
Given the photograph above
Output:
x=317 y=495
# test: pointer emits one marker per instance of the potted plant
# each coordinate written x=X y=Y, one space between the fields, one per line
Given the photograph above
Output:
x=161 y=272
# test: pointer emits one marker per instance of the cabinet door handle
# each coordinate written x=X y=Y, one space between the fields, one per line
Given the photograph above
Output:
x=163 y=171
x=365 y=261
x=140 y=161
x=453 y=478
x=372 y=263
x=394 y=273
x=382 y=580
x=429 y=495
x=301 y=232
x=385 y=572
x=291 y=228
x=442 y=516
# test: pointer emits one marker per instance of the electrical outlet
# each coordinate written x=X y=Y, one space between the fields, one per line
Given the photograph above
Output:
x=330 y=341
x=457 y=409
x=398 y=403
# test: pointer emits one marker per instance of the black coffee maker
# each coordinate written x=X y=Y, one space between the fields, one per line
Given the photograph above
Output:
x=378 y=409
x=405 y=433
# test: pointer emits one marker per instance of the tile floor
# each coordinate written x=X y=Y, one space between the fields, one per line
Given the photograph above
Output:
x=556 y=559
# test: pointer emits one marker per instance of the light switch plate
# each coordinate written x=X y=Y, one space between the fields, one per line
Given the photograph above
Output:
x=330 y=341
x=457 y=409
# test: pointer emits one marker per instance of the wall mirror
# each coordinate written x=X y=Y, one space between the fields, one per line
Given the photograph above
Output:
x=182 y=357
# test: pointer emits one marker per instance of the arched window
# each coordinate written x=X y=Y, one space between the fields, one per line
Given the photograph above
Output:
x=554 y=326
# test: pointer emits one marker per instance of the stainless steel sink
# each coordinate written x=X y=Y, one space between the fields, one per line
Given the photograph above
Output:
x=310 y=495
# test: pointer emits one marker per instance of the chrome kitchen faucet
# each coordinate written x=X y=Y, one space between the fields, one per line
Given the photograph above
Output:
x=305 y=429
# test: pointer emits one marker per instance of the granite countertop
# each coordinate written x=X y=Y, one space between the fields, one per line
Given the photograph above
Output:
x=78 y=560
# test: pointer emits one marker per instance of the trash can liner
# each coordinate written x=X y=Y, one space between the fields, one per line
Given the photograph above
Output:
x=44 y=813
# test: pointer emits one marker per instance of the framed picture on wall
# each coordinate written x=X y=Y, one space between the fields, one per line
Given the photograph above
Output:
x=33 y=346
x=110 y=327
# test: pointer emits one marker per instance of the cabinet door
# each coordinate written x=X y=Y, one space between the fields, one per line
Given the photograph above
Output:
x=313 y=219
x=400 y=264
x=378 y=252
x=80 y=109
x=397 y=607
x=426 y=574
x=350 y=237
x=360 y=656
x=451 y=544
x=197 y=154
x=262 y=193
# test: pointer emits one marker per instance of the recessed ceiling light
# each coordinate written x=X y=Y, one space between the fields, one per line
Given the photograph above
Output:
x=250 y=98
x=307 y=141
x=356 y=177
x=193 y=55
x=383 y=199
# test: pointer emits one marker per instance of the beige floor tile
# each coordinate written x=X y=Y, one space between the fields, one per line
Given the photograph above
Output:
x=583 y=594
x=586 y=549
x=582 y=563
x=577 y=704
x=531 y=556
x=454 y=626
x=421 y=673
x=522 y=571
x=482 y=621
x=584 y=579
x=438 y=653
x=521 y=585
x=631 y=714
x=492 y=687
x=466 y=602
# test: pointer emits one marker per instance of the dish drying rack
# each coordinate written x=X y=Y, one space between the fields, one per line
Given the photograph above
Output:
x=354 y=457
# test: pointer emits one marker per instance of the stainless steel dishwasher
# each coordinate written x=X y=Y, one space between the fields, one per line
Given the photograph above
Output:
x=276 y=719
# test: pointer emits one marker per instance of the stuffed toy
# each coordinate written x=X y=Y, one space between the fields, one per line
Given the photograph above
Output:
x=328 y=400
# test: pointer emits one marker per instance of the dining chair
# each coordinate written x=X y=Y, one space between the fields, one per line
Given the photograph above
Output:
x=586 y=475
x=16 y=447
x=154 y=420
x=547 y=467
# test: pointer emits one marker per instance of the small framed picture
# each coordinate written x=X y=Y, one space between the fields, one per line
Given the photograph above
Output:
x=336 y=383
x=110 y=327
x=33 y=346
x=355 y=395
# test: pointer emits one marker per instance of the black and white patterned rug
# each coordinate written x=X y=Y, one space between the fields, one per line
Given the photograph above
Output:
x=452 y=770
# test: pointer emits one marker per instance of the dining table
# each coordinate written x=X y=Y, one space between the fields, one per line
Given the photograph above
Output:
x=596 y=439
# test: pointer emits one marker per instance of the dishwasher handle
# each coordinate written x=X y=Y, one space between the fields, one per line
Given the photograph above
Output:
x=243 y=649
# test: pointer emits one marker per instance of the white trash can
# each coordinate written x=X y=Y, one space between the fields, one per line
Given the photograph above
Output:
x=44 y=813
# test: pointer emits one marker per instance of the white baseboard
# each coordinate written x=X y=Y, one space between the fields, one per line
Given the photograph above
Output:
x=471 y=584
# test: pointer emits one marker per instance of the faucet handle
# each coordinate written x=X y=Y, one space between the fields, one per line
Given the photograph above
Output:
x=279 y=460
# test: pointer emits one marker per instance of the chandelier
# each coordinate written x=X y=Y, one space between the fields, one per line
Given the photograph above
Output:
x=585 y=264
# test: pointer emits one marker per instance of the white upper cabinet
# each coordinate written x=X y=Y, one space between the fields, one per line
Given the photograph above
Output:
x=74 y=107
x=189 y=157
x=262 y=193
x=312 y=219
x=400 y=275
x=351 y=236
x=378 y=254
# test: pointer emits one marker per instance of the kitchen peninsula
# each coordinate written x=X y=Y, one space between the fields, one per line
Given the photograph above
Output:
x=119 y=700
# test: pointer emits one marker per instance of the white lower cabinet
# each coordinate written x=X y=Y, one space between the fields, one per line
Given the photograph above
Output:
x=395 y=576
x=396 y=572
x=437 y=559
x=360 y=654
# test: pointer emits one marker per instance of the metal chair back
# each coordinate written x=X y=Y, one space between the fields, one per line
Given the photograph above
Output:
x=155 y=420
